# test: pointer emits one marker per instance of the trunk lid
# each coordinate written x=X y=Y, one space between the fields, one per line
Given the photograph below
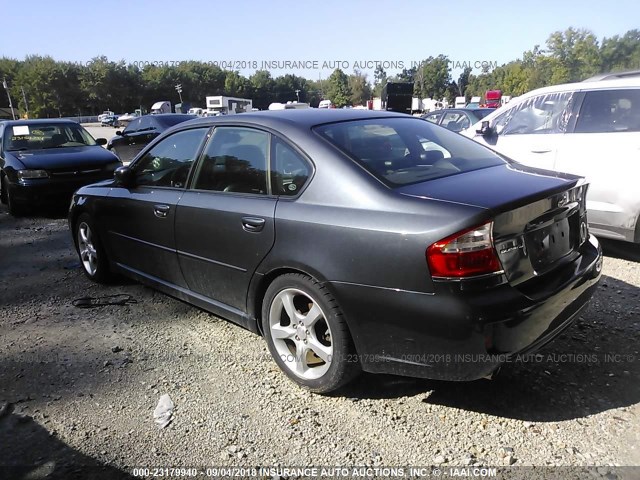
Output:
x=539 y=216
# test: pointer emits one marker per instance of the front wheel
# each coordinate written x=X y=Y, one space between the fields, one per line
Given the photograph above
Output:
x=92 y=256
x=15 y=209
x=307 y=335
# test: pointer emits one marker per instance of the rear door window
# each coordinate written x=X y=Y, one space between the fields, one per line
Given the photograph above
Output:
x=606 y=111
x=235 y=160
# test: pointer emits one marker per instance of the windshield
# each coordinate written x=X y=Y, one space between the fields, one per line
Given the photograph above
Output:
x=401 y=151
x=42 y=136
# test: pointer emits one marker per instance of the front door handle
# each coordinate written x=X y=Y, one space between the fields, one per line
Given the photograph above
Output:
x=541 y=150
x=161 y=211
x=253 y=224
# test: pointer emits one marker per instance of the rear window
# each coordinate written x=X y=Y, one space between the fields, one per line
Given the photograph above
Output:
x=171 y=120
x=402 y=151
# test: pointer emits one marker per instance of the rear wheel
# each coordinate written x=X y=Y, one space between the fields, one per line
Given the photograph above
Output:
x=307 y=335
x=92 y=256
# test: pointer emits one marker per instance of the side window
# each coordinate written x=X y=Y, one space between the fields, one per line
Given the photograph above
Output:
x=168 y=163
x=433 y=117
x=609 y=111
x=455 y=121
x=289 y=171
x=537 y=115
x=235 y=160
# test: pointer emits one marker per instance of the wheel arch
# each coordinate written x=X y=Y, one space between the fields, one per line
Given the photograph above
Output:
x=261 y=282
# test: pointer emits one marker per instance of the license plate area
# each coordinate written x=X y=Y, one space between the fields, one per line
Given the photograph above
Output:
x=552 y=242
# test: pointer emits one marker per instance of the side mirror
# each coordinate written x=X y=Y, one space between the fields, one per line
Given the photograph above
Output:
x=124 y=177
x=118 y=132
x=485 y=130
x=101 y=141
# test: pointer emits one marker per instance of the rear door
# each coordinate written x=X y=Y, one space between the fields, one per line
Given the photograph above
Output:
x=530 y=131
x=225 y=221
x=604 y=147
x=140 y=221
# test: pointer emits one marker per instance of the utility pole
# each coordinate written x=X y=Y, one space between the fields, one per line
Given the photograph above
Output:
x=179 y=90
x=6 y=88
x=26 y=105
x=298 y=95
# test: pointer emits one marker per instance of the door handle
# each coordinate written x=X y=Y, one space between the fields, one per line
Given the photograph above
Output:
x=541 y=150
x=253 y=224
x=161 y=211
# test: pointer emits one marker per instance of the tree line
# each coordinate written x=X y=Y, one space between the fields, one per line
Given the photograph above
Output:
x=48 y=88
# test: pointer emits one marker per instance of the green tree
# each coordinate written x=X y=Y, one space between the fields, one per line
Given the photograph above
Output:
x=433 y=77
x=338 y=90
x=379 y=80
x=360 y=88
x=576 y=52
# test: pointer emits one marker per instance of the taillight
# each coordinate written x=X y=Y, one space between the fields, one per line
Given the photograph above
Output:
x=464 y=254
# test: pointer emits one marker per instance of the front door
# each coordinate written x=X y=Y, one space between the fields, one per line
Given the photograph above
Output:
x=140 y=221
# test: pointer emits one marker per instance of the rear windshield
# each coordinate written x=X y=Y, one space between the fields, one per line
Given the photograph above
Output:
x=171 y=120
x=483 y=112
x=41 y=136
x=402 y=151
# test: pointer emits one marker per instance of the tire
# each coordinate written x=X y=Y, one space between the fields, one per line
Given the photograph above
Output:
x=15 y=209
x=3 y=190
x=317 y=353
x=93 y=258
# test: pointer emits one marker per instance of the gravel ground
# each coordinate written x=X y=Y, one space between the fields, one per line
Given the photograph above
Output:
x=79 y=386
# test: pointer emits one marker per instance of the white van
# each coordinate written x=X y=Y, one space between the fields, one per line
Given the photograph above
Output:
x=591 y=129
x=325 y=104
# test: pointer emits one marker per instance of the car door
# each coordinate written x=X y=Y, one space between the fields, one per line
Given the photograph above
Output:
x=529 y=132
x=604 y=147
x=225 y=220
x=139 y=221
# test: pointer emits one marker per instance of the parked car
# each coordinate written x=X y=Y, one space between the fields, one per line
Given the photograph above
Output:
x=142 y=130
x=45 y=161
x=457 y=119
x=590 y=129
x=347 y=244
x=109 y=121
x=106 y=113
x=124 y=120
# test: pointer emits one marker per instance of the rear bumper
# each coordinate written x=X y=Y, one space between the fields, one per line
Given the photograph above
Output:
x=461 y=333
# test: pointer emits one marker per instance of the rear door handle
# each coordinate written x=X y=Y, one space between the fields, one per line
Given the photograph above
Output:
x=161 y=211
x=253 y=224
x=541 y=150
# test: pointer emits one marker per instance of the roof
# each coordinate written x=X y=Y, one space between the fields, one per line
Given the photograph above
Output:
x=305 y=117
x=628 y=82
x=613 y=75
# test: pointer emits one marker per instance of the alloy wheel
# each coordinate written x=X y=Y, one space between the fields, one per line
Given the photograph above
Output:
x=300 y=333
